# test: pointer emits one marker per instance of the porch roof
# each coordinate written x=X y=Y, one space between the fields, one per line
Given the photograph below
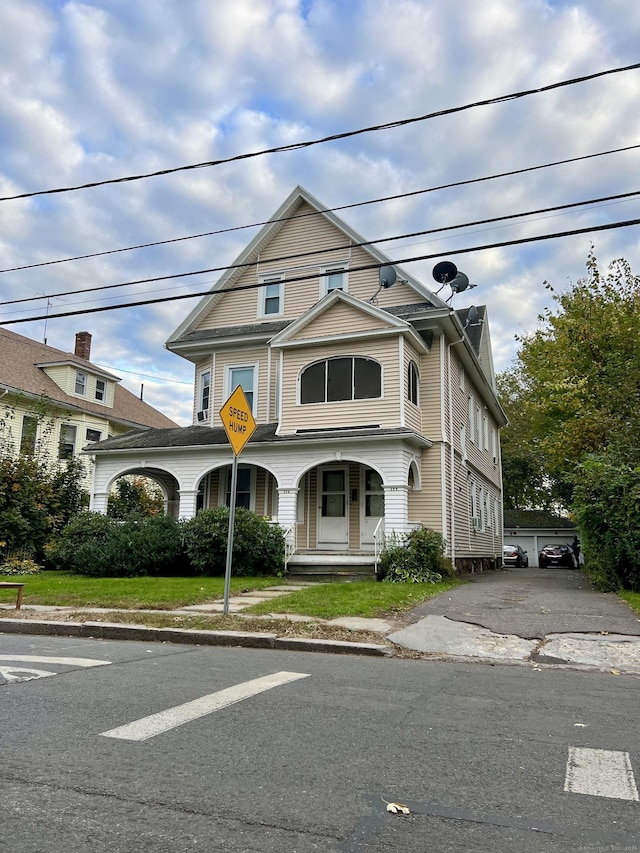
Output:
x=202 y=436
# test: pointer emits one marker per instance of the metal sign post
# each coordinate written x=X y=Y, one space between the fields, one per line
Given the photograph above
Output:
x=239 y=424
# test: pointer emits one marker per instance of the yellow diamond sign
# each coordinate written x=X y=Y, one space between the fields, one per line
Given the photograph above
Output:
x=238 y=420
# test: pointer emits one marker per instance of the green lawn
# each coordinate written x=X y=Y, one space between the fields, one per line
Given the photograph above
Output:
x=326 y=601
x=632 y=599
x=66 y=590
x=362 y=598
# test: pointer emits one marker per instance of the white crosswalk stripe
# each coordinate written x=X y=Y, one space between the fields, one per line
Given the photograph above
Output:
x=163 y=721
x=600 y=773
x=81 y=662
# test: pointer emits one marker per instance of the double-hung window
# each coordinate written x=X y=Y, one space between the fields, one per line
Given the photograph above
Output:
x=28 y=437
x=412 y=383
x=245 y=376
x=271 y=296
x=81 y=383
x=204 y=392
x=101 y=390
x=67 y=441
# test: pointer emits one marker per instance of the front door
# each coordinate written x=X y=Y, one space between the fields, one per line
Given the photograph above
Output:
x=371 y=507
x=333 y=527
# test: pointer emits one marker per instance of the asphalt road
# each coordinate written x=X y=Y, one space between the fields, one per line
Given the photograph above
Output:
x=480 y=754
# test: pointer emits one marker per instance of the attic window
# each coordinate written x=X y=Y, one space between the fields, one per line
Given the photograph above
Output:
x=101 y=388
x=336 y=379
x=333 y=278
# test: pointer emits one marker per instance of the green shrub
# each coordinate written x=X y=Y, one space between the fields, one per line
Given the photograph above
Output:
x=418 y=557
x=96 y=545
x=258 y=546
x=19 y=566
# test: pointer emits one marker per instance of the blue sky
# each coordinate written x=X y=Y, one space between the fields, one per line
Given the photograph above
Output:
x=106 y=88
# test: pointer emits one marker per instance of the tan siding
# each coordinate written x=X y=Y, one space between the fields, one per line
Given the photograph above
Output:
x=383 y=411
x=412 y=413
x=237 y=358
x=336 y=320
x=425 y=504
x=430 y=393
x=308 y=235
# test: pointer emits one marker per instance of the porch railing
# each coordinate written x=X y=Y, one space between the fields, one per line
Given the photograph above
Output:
x=289 y=545
x=378 y=542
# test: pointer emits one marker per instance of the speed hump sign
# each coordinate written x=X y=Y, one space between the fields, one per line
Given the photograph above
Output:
x=238 y=420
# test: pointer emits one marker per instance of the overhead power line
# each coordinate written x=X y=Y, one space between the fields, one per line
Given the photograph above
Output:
x=313 y=253
x=297 y=146
x=396 y=197
x=467 y=250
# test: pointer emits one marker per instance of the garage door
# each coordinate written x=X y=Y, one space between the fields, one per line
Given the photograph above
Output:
x=526 y=542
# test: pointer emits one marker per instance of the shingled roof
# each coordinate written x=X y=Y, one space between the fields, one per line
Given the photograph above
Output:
x=21 y=371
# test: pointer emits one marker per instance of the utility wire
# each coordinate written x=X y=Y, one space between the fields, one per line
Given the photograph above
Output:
x=323 y=210
x=315 y=252
x=607 y=227
x=297 y=146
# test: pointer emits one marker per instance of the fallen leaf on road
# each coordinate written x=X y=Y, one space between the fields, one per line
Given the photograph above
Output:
x=396 y=808
x=581 y=725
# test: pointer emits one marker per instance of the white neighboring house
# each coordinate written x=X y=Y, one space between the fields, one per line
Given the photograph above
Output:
x=55 y=403
x=376 y=408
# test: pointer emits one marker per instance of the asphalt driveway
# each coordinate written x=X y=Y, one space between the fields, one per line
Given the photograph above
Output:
x=532 y=603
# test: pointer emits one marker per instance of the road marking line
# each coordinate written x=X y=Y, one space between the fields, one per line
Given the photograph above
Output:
x=600 y=773
x=17 y=674
x=156 y=724
x=84 y=662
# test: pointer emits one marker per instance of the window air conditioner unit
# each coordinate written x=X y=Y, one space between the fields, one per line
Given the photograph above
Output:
x=475 y=522
x=203 y=415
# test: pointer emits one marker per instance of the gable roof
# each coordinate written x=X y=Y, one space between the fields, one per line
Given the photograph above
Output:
x=21 y=372
x=267 y=233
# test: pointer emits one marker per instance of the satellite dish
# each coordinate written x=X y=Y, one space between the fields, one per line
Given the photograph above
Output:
x=388 y=276
x=460 y=283
x=445 y=271
x=472 y=315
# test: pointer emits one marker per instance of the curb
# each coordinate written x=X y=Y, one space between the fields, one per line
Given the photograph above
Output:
x=245 y=639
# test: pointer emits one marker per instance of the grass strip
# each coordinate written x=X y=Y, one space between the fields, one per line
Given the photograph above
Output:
x=632 y=599
x=361 y=598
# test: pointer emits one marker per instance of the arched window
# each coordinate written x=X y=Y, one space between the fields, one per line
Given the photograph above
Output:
x=412 y=383
x=342 y=378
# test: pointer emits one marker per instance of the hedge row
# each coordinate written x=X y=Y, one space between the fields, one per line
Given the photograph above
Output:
x=97 y=545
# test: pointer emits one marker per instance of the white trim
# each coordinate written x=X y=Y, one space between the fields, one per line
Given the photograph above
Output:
x=264 y=281
x=403 y=420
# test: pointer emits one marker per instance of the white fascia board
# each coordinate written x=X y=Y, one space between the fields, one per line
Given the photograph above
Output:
x=89 y=367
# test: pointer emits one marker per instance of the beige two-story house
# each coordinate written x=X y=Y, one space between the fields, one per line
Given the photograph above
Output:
x=54 y=403
x=374 y=399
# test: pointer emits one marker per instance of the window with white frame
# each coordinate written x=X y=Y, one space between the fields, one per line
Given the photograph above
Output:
x=494 y=445
x=485 y=432
x=478 y=428
x=81 y=383
x=245 y=376
x=204 y=391
x=67 y=441
x=473 y=500
x=271 y=296
x=463 y=442
x=413 y=383
x=101 y=390
x=470 y=416
x=333 y=278
x=28 y=435
x=487 y=510
x=461 y=378
x=92 y=435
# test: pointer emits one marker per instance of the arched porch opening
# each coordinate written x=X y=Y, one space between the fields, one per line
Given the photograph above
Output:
x=150 y=479
x=256 y=489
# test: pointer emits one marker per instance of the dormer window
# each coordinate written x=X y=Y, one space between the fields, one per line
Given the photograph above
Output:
x=81 y=383
x=101 y=390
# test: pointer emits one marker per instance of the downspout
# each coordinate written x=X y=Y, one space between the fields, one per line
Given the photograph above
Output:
x=452 y=500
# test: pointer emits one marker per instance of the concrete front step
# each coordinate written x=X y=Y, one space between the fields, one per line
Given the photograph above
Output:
x=331 y=576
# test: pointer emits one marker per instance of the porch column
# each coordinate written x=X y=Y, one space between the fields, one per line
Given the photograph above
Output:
x=98 y=502
x=287 y=507
x=188 y=503
x=396 y=509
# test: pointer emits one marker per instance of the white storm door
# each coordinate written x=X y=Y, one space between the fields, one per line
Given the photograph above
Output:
x=333 y=524
x=371 y=506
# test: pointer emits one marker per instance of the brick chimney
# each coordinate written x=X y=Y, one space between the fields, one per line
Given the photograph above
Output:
x=83 y=345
